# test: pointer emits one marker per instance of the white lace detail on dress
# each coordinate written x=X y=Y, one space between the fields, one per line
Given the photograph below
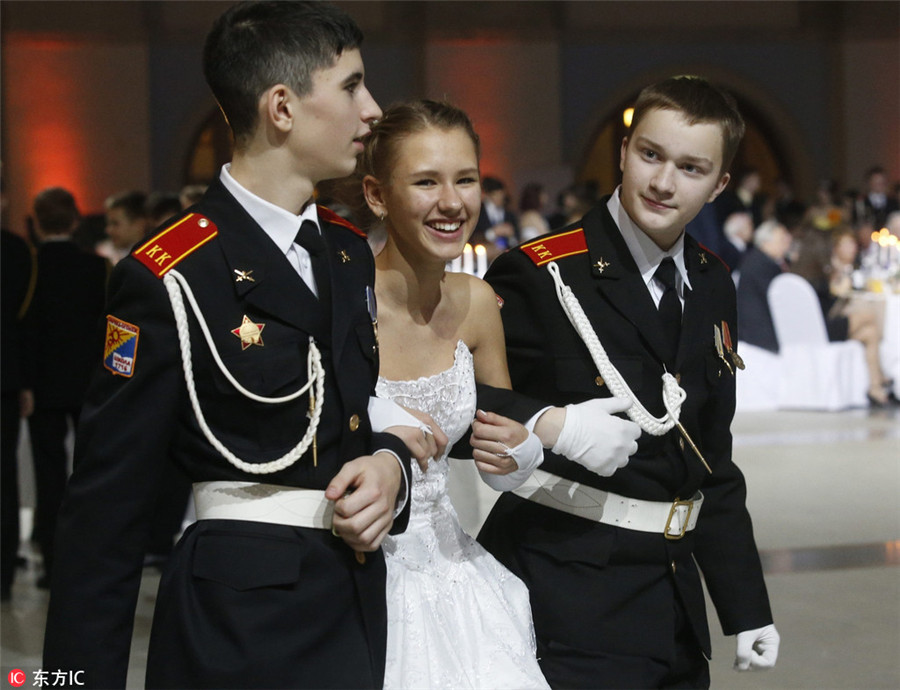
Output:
x=456 y=617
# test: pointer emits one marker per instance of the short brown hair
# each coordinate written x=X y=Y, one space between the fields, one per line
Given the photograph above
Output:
x=56 y=210
x=133 y=203
x=700 y=102
x=255 y=45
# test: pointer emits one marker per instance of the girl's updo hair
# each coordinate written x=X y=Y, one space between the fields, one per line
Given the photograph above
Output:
x=402 y=120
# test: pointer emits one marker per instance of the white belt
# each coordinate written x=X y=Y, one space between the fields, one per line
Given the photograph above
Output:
x=671 y=519
x=280 y=505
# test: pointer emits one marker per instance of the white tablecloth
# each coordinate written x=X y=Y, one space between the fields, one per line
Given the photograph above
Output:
x=890 y=343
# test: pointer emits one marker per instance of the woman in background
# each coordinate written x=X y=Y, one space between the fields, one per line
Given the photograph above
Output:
x=825 y=260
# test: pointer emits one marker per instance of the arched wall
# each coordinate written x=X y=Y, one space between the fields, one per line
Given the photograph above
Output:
x=787 y=135
x=786 y=83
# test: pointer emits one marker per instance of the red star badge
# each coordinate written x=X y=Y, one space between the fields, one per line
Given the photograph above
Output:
x=249 y=332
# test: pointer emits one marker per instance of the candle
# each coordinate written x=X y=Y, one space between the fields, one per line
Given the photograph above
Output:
x=467 y=265
x=480 y=260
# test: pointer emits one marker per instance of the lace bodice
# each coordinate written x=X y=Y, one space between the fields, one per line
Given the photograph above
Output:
x=449 y=397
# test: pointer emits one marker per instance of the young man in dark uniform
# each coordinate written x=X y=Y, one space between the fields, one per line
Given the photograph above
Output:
x=611 y=562
x=217 y=324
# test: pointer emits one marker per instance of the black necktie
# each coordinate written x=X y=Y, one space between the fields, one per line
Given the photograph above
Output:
x=669 y=305
x=311 y=240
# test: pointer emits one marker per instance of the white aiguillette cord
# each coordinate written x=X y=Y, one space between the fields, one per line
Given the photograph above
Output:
x=175 y=283
x=673 y=394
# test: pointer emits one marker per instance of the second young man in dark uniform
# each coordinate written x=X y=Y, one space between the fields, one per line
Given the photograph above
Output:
x=610 y=561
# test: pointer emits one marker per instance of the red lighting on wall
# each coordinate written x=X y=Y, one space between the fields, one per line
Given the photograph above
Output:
x=476 y=75
x=43 y=104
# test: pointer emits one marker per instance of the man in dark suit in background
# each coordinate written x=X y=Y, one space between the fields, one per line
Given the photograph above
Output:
x=876 y=202
x=281 y=581
x=761 y=264
x=611 y=561
x=61 y=345
x=497 y=227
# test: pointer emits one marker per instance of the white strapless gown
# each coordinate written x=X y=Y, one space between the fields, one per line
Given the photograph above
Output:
x=456 y=617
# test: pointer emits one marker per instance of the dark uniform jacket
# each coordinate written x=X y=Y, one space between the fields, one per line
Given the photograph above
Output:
x=600 y=588
x=19 y=275
x=62 y=341
x=241 y=604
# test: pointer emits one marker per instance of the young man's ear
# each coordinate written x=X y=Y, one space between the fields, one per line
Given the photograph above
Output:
x=720 y=187
x=374 y=197
x=622 y=154
x=277 y=106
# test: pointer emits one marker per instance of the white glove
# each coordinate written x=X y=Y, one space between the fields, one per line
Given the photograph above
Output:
x=757 y=650
x=528 y=456
x=594 y=438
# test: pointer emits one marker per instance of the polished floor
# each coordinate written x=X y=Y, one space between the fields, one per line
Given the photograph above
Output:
x=824 y=492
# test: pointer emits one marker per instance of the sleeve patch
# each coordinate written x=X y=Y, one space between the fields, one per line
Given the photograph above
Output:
x=120 y=350
x=166 y=249
x=546 y=249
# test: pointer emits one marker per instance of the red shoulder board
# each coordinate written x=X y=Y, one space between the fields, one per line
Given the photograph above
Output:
x=176 y=242
x=546 y=249
x=326 y=213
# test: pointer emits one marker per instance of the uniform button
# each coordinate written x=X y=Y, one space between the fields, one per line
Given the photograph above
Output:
x=354 y=422
x=674 y=567
x=361 y=558
x=681 y=443
x=678 y=379
x=599 y=381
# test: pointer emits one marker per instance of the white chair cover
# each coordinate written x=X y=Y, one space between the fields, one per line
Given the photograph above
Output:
x=815 y=374
x=758 y=385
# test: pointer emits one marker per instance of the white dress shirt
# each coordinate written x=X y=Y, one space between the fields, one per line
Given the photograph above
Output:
x=279 y=224
x=646 y=254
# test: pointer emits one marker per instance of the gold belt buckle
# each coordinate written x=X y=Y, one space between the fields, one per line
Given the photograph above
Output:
x=687 y=517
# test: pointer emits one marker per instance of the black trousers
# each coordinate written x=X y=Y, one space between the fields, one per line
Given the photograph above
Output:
x=9 y=486
x=569 y=668
x=48 y=429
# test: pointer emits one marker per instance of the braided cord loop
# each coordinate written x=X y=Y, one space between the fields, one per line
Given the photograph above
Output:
x=176 y=283
x=673 y=394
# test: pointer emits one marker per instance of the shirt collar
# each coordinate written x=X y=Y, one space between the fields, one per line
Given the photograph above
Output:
x=645 y=252
x=279 y=224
